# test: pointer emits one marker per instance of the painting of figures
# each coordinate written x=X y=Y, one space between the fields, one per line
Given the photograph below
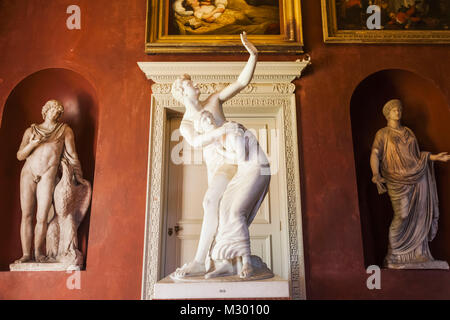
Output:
x=201 y=26
x=224 y=17
x=395 y=14
x=398 y=21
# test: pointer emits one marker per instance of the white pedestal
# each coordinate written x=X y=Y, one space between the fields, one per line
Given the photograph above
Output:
x=36 y=266
x=275 y=287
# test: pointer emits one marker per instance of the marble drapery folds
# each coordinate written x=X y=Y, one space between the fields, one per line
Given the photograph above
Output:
x=411 y=185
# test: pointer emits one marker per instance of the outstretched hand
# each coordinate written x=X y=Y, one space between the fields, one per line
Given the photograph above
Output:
x=248 y=45
x=443 y=156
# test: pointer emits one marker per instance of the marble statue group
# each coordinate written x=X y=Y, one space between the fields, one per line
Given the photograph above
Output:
x=238 y=179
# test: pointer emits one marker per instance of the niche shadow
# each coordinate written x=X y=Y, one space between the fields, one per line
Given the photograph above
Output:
x=427 y=113
x=22 y=108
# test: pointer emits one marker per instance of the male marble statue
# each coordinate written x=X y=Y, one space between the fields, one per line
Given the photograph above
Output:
x=408 y=174
x=60 y=204
x=224 y=178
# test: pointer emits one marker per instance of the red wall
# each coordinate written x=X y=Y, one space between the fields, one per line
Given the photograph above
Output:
x=105 y=51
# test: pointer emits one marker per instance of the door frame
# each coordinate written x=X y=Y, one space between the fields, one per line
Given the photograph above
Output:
x=270 y=93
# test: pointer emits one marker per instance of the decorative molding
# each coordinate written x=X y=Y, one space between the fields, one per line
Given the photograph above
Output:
x=161 y=88
x=223 y=72
x=270 y=91
x=283 y=88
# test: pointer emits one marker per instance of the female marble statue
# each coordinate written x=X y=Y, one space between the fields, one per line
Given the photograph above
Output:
x=241 y=200
x=219 y=172
x=408 y=175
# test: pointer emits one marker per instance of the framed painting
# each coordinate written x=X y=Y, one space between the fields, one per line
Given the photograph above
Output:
x=397 y=21
x=206 y=26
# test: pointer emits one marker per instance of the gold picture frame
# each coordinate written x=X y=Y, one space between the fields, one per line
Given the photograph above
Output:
x=389 y=34
x=159 y=39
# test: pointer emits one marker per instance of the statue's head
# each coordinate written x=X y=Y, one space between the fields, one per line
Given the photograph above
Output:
x=392 y=110
x=183 y=88
x=54 y=106
x=206 y=122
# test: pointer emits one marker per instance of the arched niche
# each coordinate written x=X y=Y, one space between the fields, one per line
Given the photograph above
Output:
x=22 y=108
x=427 y=113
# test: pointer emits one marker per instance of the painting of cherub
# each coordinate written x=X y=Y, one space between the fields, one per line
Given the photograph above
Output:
x=209 y=26
x=224 y=17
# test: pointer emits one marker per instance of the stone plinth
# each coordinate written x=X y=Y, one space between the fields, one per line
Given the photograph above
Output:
x=428 y=265
x=275 y=287
x=35 y=266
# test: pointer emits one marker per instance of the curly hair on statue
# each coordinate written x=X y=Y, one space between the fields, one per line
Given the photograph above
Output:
x=50 y=105
x=177 y=87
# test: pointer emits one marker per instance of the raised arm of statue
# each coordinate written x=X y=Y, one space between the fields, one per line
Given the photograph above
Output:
x=246 y=75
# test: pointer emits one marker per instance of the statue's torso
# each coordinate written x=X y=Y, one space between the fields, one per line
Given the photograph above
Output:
x=47 y=155
x=400 y=150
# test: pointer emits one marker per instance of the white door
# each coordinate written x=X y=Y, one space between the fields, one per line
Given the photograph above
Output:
x=187 y=184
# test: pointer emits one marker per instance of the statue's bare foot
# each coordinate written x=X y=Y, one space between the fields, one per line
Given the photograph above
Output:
x=24 y=259
x=191 y=269
x=247 y=271
x=222 y=269
x=41 y=258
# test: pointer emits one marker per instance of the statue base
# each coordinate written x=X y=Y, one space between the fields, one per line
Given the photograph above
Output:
x=221 y=288
x=234 y=278
x=44 y=266
x=430 y=265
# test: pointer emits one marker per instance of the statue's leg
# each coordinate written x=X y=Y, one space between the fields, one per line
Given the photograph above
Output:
x=211 y=202
x=27 y=204
x=247 y=268
x=222 y=268
x=245 y=204
x=44 y=195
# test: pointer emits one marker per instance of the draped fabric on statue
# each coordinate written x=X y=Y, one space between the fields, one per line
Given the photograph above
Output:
x=411 y=186
x=240 y=203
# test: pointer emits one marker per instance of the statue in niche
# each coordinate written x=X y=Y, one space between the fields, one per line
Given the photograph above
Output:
x=407 y=175
x=238 y=180
x=60 y=203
